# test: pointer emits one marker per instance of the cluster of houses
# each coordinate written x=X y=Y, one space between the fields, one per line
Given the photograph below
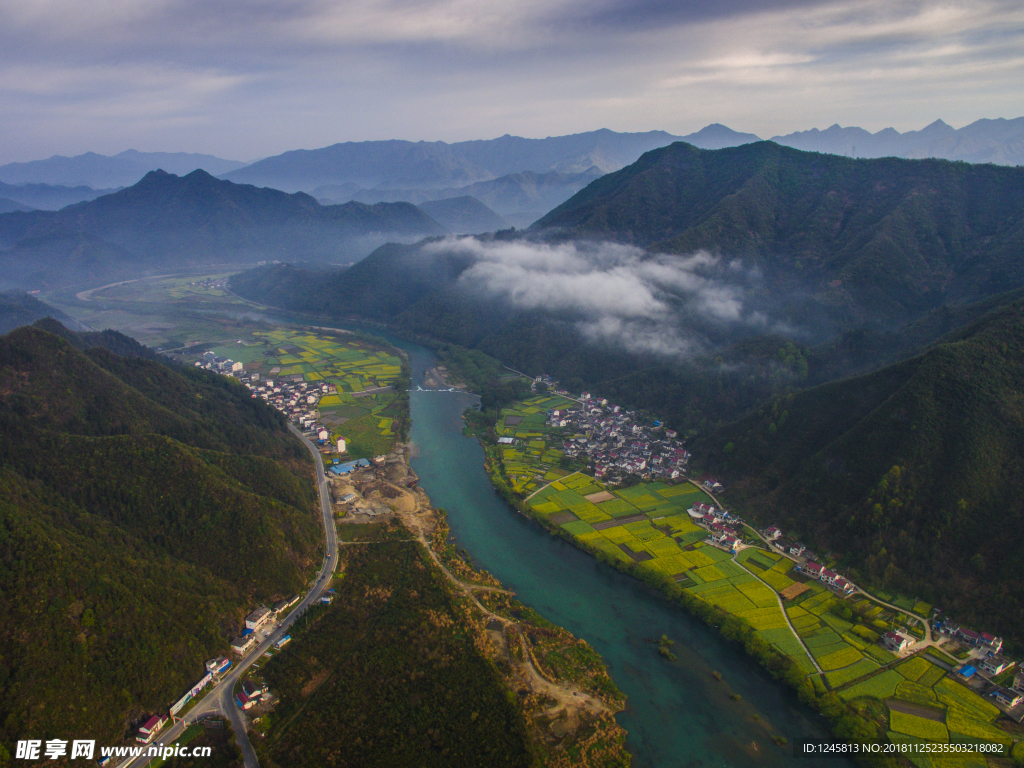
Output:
x=980 y=640
x=774 y=536
x=825 y=576
x=717 y=522
x=255 y=621
x=617 y=444
x=251 y=694
x=295 y=398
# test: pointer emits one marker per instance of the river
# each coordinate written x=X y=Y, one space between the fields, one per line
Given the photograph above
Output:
x=678 y=713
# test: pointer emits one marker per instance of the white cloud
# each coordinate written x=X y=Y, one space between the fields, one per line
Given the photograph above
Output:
x=613 y=292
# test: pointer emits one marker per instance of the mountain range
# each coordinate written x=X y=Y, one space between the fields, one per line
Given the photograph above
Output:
x=166 y=221
x=389 y=171
x=839 y=242
x=984 y=141
x=437 y=164
x=120 y=170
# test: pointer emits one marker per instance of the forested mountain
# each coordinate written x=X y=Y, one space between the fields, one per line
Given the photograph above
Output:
x=997 y=141
x=18 y=308
x=144 y=510
x=120 y=170
x=841 y=242
x=913 y=472
x=170 y=221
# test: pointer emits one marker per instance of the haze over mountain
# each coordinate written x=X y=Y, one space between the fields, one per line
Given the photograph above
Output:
x=18 y=308
x=522 y=198
x=700 y=284
x=997 y=141
x=425 y=165
x=49 y=197
x=652 y=278
x=7 y=205
x=463 y=215
x=120 y=170
x=167 y=221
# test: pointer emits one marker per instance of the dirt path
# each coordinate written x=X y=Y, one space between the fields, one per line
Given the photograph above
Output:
x=785 y=616
x=568 y=698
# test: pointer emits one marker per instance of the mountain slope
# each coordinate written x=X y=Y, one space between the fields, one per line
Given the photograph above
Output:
x=19 y=308
x=463 y=215
x=121 y=170
x=527 y=193
x=144 y=510
x=914 y=471
x=858 y=240
x=167 y=221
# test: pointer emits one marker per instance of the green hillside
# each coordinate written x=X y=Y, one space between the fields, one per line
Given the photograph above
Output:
x=913 y=472
x=866 y=240
x=144 y=510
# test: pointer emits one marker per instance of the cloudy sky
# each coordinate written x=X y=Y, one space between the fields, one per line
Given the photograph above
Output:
x=248 y=78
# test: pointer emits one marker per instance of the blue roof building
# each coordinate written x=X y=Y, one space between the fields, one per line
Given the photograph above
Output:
x=344 y=469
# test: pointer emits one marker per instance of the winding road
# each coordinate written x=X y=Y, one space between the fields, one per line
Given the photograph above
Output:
x=220 y=699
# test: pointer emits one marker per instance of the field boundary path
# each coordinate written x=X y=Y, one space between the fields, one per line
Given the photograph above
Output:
x=785 y=615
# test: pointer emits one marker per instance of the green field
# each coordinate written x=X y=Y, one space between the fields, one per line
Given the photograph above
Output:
x=349 y=364
x=843 y=641
x=923 y=728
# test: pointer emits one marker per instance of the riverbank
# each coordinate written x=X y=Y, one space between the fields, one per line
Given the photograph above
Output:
x=561 y=685
x=831 y=659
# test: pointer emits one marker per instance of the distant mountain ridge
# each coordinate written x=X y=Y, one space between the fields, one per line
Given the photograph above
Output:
x=519 y=198
x=429 y=164
x=171 y=221
x=120 y=170
x=998 y=141
x=463 y=215
x=50 y=197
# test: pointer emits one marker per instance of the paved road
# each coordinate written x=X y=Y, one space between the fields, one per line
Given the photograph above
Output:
x=220 y=699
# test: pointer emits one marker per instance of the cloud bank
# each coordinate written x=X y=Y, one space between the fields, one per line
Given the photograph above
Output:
x=613 y=293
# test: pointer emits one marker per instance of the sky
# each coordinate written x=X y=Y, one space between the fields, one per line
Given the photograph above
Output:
x=244 y=79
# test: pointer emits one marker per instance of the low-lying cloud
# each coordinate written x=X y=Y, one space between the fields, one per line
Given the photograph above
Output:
x=612 y=292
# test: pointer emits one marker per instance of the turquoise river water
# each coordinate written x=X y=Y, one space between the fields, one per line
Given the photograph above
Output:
x=678 y=714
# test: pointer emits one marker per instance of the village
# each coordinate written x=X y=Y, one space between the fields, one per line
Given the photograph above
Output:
x=615 y=441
